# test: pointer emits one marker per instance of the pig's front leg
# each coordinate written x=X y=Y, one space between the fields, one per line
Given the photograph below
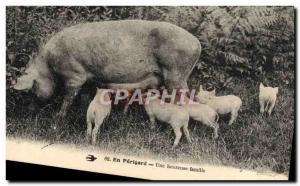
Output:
x=60 y=118
x=67 y=102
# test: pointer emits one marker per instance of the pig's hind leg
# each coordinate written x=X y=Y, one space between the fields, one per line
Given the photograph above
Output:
x=234 y=115
x=178 y=135
x=272 y=104
x=186 y=133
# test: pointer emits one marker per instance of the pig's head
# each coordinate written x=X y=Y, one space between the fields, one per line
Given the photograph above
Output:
x=26 y=80
x=36 y=80
x=204 y=96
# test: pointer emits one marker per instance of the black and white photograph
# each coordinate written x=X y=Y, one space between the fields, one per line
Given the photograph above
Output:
x=153 y=92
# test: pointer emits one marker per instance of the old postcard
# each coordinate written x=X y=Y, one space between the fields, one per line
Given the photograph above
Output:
x=152 y=92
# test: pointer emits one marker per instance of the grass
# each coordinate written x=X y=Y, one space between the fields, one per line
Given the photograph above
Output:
x=252 y=142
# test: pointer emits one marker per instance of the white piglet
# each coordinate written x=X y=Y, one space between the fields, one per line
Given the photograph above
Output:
x=267 y=98
x=98 y=110
x=204 y=114
x=221 y=104
x=173 y=114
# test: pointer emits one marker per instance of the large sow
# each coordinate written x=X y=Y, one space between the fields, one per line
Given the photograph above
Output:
x=125 y=54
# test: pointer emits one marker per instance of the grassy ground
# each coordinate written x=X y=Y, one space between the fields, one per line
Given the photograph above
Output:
x=252 y=142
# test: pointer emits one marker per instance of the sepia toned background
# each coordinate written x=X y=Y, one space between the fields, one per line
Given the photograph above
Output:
x=241 y=47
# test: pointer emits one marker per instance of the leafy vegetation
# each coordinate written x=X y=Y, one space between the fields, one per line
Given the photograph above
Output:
x=241 y=46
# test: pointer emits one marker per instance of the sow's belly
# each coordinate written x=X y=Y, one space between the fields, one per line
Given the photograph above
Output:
x=131 y=78
x=129 y=72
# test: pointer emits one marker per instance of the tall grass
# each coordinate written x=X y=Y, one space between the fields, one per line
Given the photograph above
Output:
x=253 y=141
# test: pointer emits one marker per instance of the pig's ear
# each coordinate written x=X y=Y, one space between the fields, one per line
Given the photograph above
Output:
x=213 y=92
x=261 y=86
x=201 y=88
x=97 y=90
x=25 y=82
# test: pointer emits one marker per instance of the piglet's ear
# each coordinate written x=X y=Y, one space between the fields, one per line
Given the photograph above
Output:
x=201 y=88
x=213 y=92
x=261 y=86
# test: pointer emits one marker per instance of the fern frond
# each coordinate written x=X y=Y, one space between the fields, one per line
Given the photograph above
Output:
x=232 y=58
x=258 y=17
